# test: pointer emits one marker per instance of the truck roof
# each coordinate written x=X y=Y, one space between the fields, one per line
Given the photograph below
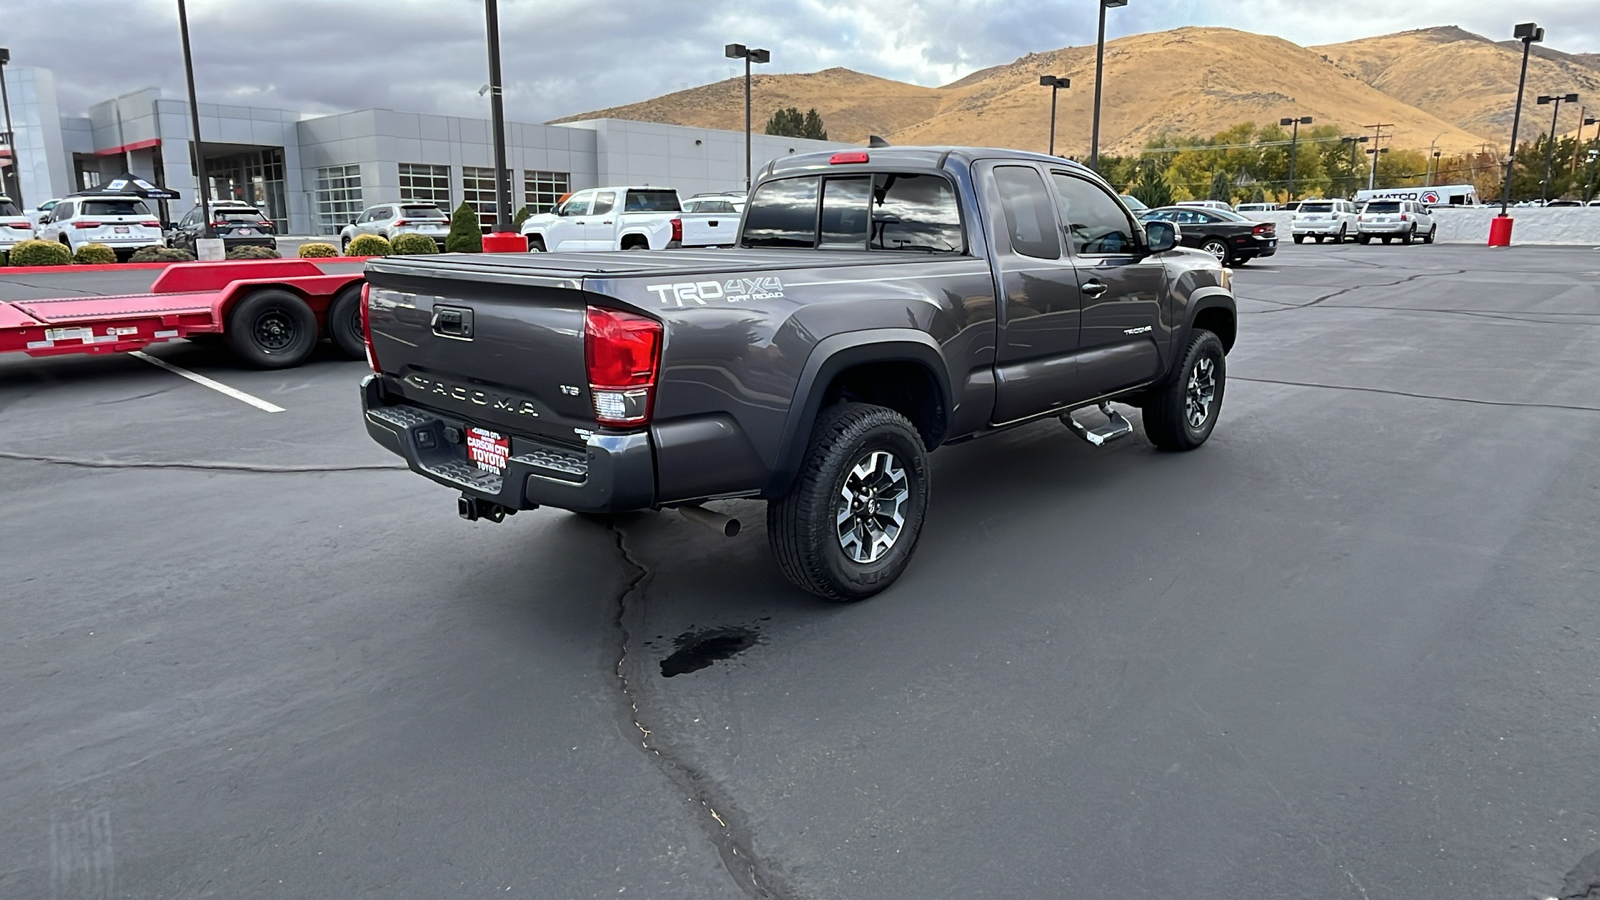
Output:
x=915 y=157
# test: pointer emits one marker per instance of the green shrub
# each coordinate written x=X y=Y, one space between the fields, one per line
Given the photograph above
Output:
x=522 y=216
x=252 y=252
x=466 y=235
x=94 y=255
x=40 y=253
x=157 y=253
x=413 y=244
x=317 y=250
x=369 y=245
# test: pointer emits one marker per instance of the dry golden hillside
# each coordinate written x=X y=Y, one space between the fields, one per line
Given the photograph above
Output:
x=1184 y=82
x=1468 y=79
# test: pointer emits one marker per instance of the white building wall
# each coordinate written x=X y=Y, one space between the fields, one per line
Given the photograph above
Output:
x=692 y=160
x=42 y=160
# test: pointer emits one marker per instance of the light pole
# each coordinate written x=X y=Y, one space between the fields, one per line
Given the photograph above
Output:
x=1294 y=140
x=1433 y=168
x=1352 y=142
x=749 y=55
x=1377 y=138
x=503 y=239
x=1055 y=83
x=15 y=169
x=1529 y=34
x=194 y=122
x=1550 y=150
x=1099 y=76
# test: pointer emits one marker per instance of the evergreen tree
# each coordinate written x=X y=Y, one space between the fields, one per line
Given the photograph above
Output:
x=1221 y=187
x=790 y=122
x=1152 y=189
x=466 y=235
x=813 y=126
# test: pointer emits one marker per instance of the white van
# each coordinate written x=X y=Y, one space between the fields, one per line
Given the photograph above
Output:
x=1438 y=195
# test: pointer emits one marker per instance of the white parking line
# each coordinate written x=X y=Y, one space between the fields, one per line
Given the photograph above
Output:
x=217 y=386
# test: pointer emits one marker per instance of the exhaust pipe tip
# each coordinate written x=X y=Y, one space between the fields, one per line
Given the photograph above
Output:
x=728 y=525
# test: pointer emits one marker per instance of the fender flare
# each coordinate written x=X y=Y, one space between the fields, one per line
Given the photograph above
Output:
x=834 y=355
x=636 y=231
x=1209 y=297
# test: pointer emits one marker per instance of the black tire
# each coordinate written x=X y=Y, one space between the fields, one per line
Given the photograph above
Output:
x=344 y=322
x=1409 y=237
x=1319 y=238
x=272 y=329
x=1387 y=239
x=344 y=246
x=536 y=244
x=803 y=528
x=1344 y=232
x=1432 y=233
x=1168 y=421
x=1217 y=247
x=1364 y=239
x=1299 y=239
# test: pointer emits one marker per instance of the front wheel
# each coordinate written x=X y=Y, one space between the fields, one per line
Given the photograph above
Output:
x=1183 y=412
x=1432 y=233
x=272 y=329
x=848 y=526
x=1409 y=236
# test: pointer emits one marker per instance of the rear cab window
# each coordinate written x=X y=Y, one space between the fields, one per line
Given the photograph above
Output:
x=881 y=211
x=651 y=201
x=422 y=212
x=7 y=208
x=1316 y=207
x=1383 y=206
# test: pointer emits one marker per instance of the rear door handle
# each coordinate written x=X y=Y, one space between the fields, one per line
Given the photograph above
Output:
x=1093 y=288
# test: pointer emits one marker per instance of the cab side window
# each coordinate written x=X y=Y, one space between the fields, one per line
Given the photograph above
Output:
x=1095 y=223
x=1026 y=209
x=604 y=202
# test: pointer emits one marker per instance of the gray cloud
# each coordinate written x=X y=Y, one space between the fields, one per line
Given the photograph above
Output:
x=566 y=56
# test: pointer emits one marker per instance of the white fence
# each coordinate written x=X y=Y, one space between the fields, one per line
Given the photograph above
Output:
x=1571 y=225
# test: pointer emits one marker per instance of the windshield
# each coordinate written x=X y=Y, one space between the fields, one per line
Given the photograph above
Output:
x=7 y=208
x=651 y=201
x=422 y=212
x=1383 y=206
x=114 y=208
x=1316 y=207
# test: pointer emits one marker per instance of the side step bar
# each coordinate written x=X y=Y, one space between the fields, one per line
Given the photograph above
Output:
x=1116 y=427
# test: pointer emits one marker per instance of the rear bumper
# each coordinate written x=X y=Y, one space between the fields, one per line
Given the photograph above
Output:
x=254 y=240
x=1325 y=229
x=612 y=473
x=1384 y=228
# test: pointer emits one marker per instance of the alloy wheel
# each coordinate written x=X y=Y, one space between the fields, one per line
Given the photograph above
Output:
x=1202 y=390
x=871 y=510
x=1217 y=249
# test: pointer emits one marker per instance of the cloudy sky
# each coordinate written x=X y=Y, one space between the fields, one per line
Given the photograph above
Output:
x=568 y=56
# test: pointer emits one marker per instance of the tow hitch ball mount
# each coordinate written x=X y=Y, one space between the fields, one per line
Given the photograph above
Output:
x=472 y=509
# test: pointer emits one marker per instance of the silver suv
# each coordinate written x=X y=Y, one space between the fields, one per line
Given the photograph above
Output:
x=390 y=220
x=1406 y=220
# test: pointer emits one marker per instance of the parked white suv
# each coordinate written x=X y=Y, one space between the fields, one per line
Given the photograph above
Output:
x=15 y=226
x=1323 y=219
x=120 y=222
x=1406 y=220
x=390 y=220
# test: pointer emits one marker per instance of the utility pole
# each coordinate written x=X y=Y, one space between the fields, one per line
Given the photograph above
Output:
x=1099 y=76
x=194 y=122
x=15 y=169
x=1294 y=139
x=1377 y=138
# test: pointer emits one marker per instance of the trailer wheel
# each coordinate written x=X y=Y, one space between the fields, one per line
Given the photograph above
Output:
x=344 y=322
x=272 y=329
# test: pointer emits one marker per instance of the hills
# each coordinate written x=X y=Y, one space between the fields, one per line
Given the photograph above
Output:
x=1439 y=86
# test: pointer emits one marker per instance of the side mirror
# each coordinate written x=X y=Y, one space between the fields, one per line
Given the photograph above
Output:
x=1162 y=236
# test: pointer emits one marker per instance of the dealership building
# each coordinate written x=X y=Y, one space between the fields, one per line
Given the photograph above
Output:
x=312 y=174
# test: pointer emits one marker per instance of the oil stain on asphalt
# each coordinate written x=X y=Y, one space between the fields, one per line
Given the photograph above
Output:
x=695 y=650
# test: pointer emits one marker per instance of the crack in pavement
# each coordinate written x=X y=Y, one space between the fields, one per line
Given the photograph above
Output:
x=1346 y=290
x=1417 y=396
x=200 y=465
x=724 y=824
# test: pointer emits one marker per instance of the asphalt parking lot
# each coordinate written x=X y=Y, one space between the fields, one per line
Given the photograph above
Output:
x=1347 y=649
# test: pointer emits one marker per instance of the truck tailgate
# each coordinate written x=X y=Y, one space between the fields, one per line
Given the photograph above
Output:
x=710 y=229
x=505 y=353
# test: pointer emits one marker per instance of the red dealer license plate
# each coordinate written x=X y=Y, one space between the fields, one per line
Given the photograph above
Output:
x=488 y=449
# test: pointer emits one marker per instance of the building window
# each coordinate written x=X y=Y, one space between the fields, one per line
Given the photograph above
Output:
x=477 y=188
x=545 y=189
x=338 y=197
x=431 y=184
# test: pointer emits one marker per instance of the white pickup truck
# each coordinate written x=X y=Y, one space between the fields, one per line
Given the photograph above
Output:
x=626 y=218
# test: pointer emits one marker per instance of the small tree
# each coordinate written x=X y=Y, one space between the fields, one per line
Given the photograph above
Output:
x=1258 y=196
x=466 y=235
x=521 y=216
x=1153 y=189
x=1221 y=187
x=790 y=122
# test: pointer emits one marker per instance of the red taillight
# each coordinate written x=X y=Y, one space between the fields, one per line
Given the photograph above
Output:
x=1403 y=218
x=366 y=326
x=26 y=226
x=399 y=222
x=622 y=352
x=85 y=223
x=677 y=230
x=847 y=157
x=150 y=223
x=1266 y=229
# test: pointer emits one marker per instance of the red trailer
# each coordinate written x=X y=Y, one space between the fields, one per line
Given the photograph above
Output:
x=271 y=312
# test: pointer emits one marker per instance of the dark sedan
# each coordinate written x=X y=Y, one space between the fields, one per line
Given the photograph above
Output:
x=1230 y=237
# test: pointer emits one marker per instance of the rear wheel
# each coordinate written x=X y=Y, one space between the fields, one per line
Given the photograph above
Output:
x=1217 y=248
x=848 y=526
x=1364 y=239
x=1319 y=238
x=272 y=329
x=344 y=322
x=1344 y=233
x=344 y=246
x=1299 y=239
x=1182 y=413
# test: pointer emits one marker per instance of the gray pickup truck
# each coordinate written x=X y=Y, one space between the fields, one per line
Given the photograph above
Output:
x=880 y=304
